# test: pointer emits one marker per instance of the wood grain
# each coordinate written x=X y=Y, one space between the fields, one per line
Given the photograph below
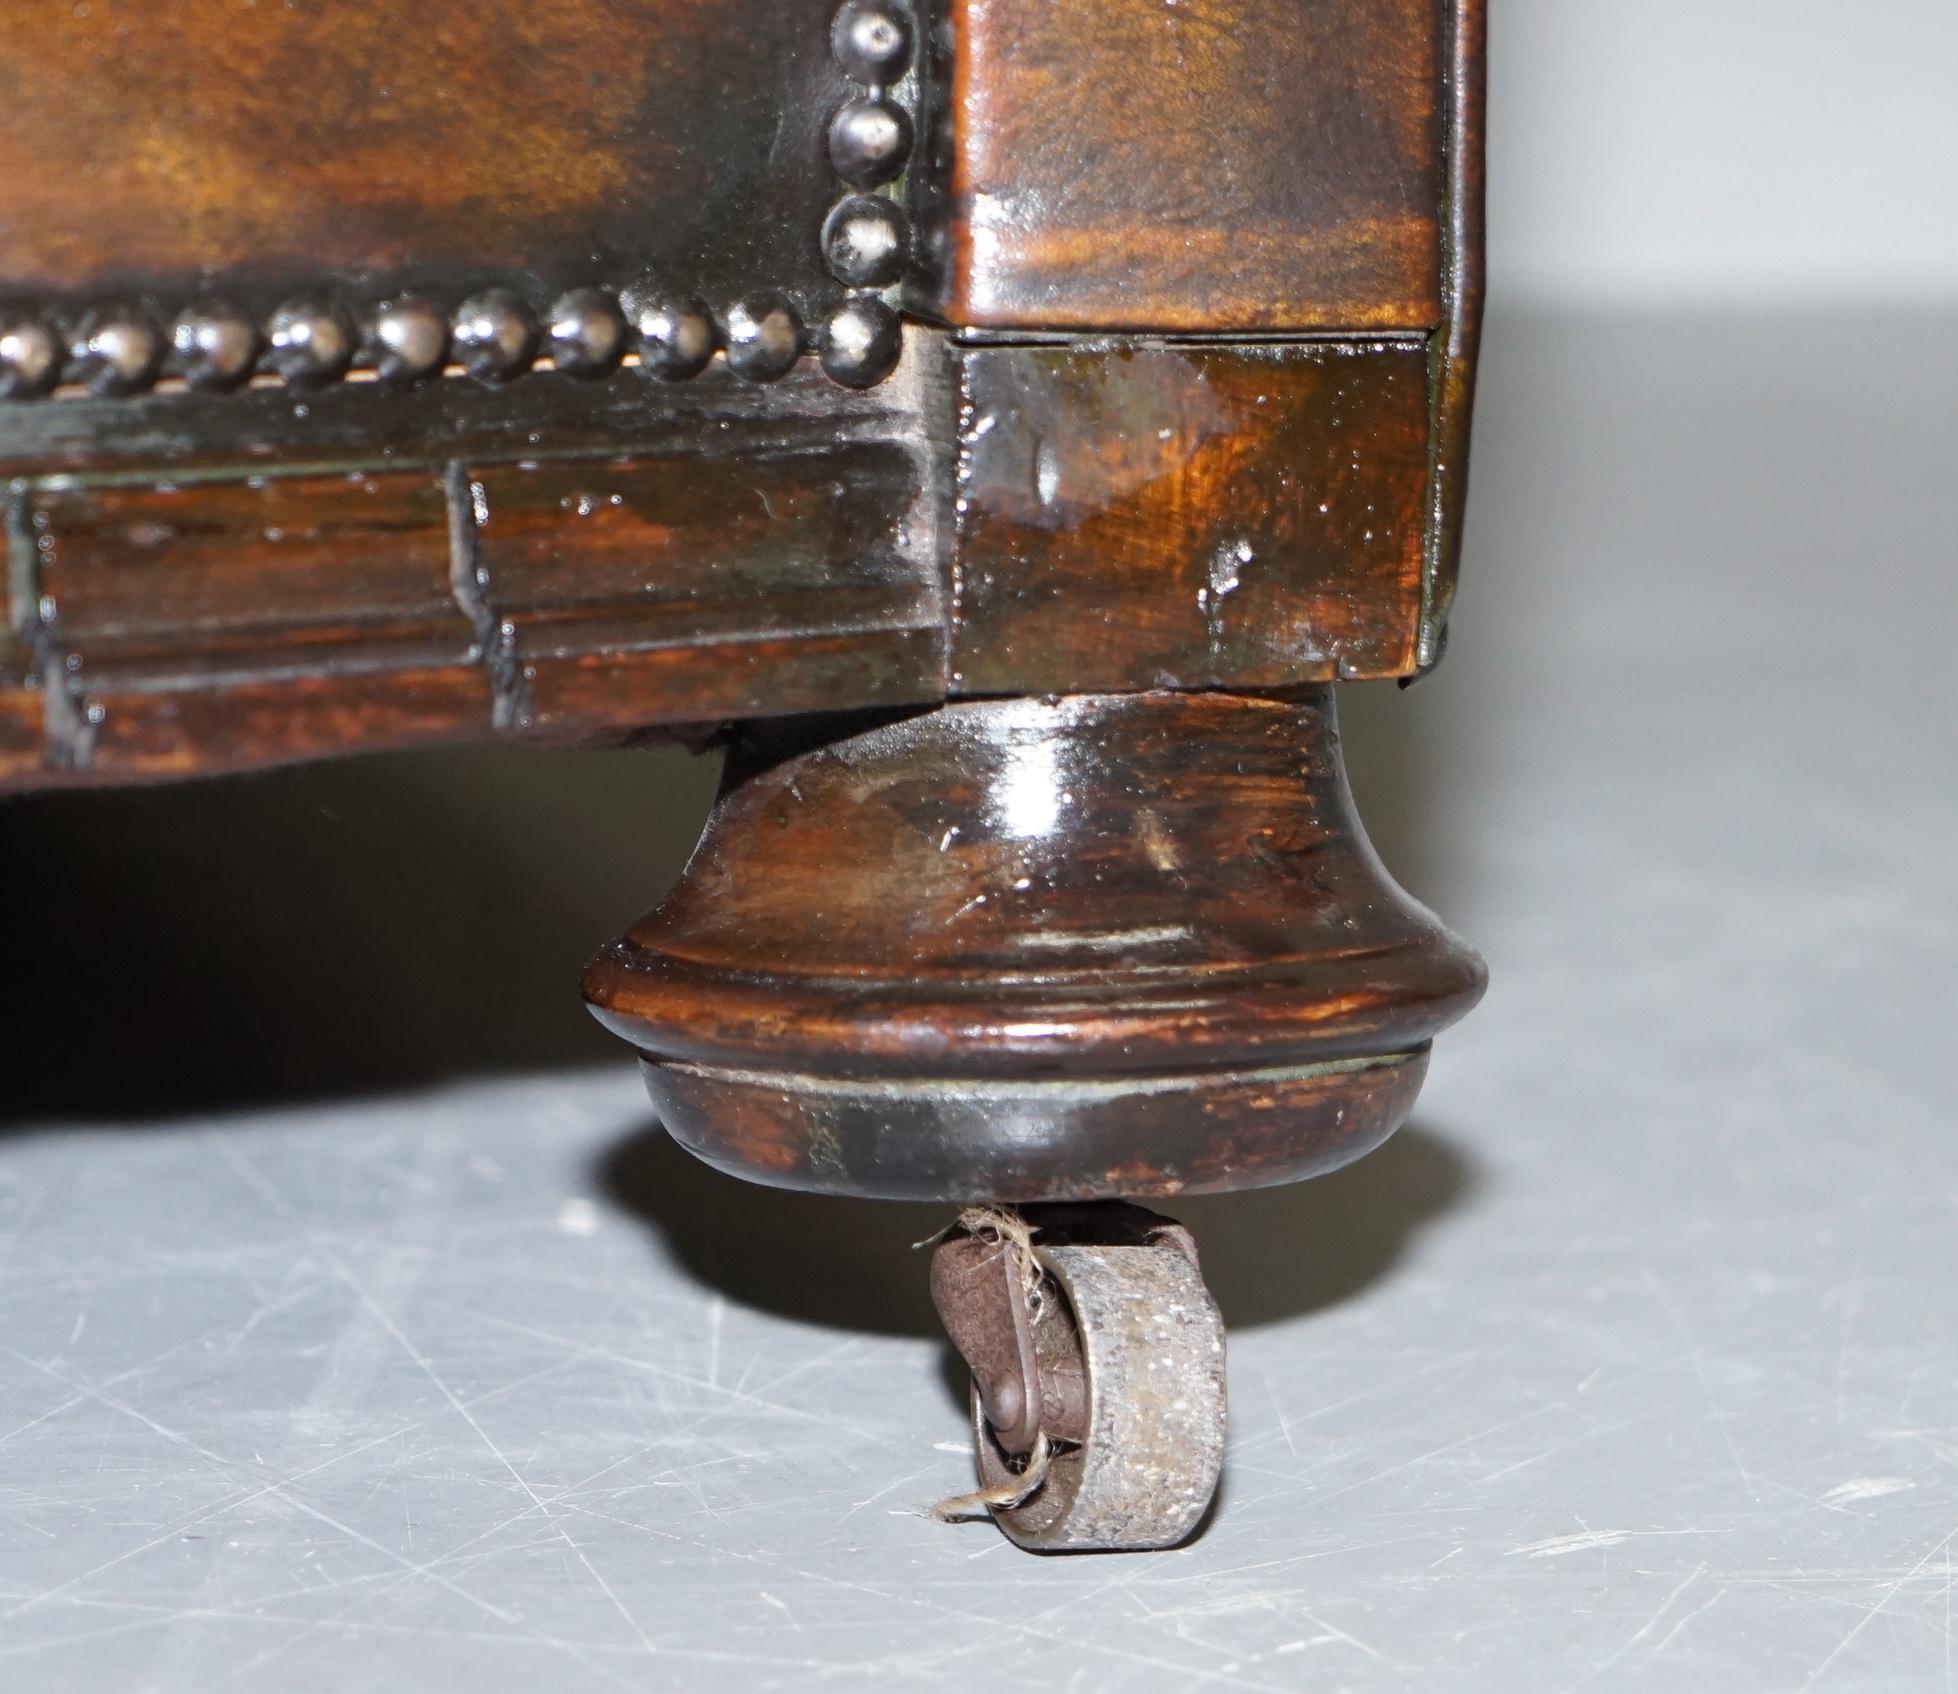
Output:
x=599 y=575
x=314 y=610
x=246 y=573
x=1188 y=516
x=734 y=567
x=1039 y=949
x=22 y=731
x=166 y=437
x=1093 y=885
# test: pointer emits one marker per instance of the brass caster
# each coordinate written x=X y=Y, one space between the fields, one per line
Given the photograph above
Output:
x=1097 y=1360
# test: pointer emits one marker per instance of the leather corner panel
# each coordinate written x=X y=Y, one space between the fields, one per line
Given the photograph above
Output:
x=1205 y=165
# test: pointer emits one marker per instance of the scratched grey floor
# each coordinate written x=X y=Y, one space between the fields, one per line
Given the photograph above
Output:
x=361 y=1333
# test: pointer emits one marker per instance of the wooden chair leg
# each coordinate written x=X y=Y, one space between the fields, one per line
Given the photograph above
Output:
x=1075 y=949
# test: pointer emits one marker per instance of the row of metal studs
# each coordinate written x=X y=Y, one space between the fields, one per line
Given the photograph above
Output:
x=494 y=335
x=866 y=237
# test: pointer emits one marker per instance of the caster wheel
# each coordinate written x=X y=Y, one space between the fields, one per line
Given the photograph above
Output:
x=1098 y=1374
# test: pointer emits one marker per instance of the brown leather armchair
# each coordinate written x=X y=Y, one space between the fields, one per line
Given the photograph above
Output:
x=1003 y=419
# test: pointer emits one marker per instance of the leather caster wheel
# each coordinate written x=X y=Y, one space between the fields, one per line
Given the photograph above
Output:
x=1098 y=1374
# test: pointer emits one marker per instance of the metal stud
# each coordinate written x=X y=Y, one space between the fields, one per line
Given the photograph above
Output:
x=495 y=335
x=860 y=342
x=214 y=344
x=869 y=140
x=676 y=338
x=764 y=337
x=587 y=333
x=406 y=339
x=30 y=357
x=116 y=351
x=866 y=241
x=871 y=40
x=309 y=342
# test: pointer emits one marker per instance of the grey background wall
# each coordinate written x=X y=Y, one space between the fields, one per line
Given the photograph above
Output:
x=1723 y=151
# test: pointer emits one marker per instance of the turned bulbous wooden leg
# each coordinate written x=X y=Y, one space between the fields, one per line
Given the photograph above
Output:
x=1078 y=949
x=1066 y=949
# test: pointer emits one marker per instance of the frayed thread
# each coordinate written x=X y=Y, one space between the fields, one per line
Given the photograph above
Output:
x=1002 y=1496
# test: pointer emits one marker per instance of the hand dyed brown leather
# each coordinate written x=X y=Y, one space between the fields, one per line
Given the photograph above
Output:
x=1005 y=419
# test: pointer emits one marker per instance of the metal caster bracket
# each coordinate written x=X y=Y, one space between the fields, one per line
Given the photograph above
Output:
x=1097 y=1360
